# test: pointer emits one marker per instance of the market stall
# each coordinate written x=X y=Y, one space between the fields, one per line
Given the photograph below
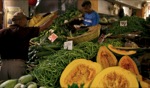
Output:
x=113 y=53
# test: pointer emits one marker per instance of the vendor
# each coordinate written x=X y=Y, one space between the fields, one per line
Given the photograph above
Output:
x=15 y=43
x=90 y=17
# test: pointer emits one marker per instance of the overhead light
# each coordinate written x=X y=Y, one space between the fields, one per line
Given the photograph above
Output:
x=147 y=0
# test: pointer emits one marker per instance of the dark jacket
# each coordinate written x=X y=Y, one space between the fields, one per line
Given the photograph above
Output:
x=14 y=41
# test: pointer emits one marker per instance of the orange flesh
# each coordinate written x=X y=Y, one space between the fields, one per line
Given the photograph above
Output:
x=121 y=50
x=106 y=59
x=127 y=65
x=114 y=80
x=81 y=74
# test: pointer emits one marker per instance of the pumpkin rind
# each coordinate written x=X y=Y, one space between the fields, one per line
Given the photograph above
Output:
x=106 y=58
x=79 y=71
x=144 y=84
x=115 y=77
x=121 y=52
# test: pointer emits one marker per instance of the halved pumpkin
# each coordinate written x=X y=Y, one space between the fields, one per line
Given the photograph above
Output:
x=121 y=52
x=79 y=71
x=127 y=63
x=144 y=84
x=106 y=58
x=115 y=77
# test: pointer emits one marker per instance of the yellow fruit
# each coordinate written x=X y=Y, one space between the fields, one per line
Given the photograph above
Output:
x=121 y=52
x=106 y=58
x=45 y=19
x=79 y=71
x=127 y=63
x=35 y=19
x=144 y=84
x=115 y=77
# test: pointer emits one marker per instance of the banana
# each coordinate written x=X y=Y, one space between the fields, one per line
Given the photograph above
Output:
x=45 y=19
x=35 y=19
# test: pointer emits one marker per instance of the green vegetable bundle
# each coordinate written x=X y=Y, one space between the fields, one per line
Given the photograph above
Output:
x=49 y=70
x=59 y=29
x=134 y=24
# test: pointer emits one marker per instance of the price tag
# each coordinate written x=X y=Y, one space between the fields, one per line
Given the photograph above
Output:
x=68 y=45
x=52 y=37
x=123 y=23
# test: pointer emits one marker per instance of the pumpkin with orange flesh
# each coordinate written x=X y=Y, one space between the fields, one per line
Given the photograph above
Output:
x=121 y=52
x=144 y=84
x=106 y=58
x=115 y=77
x=127 y=63
x=79 y=71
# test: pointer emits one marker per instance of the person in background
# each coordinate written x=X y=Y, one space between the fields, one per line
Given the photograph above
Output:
x=130 y=11
x=15 y=43
x=144 y=9
x=133 y=12
x=121 y=12
x=90 y=17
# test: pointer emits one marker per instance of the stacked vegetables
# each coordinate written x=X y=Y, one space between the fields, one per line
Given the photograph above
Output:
x=51 y=66
x=52 y=60
x=42 y=44
x=50 y=57
x=48 y=71
x=134 y=24
x=25 y=81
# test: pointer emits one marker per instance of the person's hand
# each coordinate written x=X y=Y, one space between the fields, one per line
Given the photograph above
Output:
x=81 y=18
x=77 y=27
